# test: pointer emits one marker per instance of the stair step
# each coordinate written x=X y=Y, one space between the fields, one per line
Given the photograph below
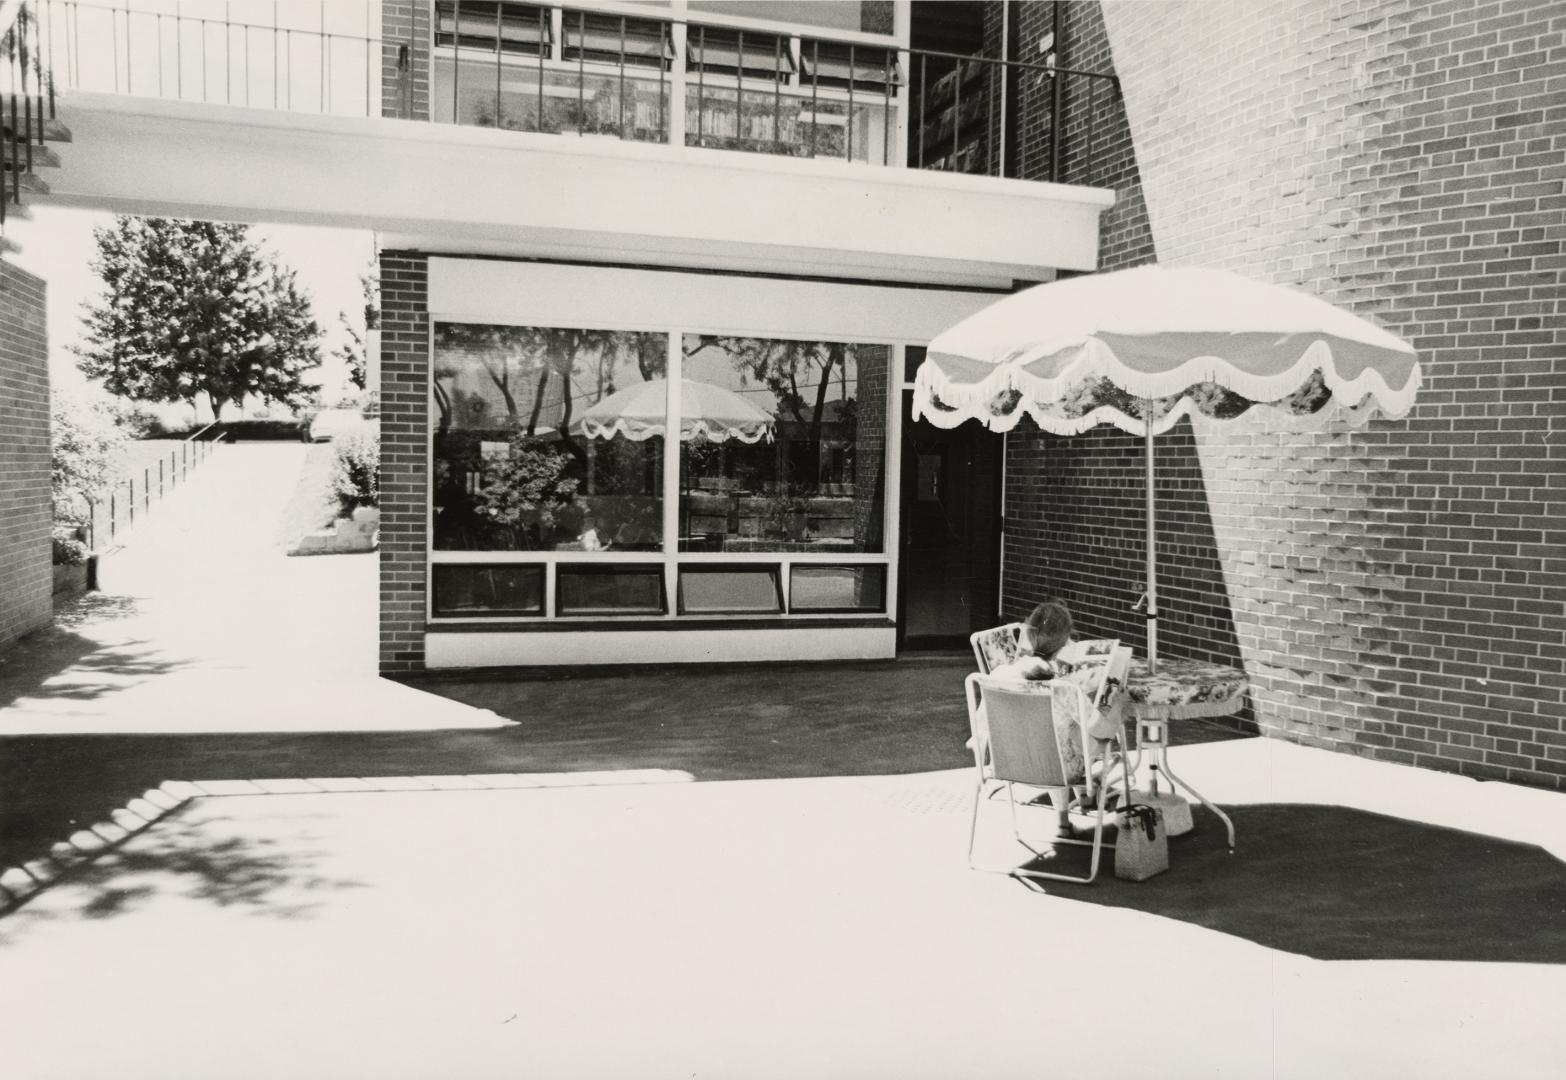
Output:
x=43 y=158
x=30 y=183
x=53 y=130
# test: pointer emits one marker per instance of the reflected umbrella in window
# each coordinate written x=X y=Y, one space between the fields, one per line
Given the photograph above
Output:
x=1142 y=348
x=706 y=411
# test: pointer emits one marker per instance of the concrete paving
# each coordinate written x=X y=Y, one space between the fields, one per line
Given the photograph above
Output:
x=824 y=927
x=202 y=624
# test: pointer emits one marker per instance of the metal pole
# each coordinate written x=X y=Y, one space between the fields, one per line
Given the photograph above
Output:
x=1056 y=88
x=848 y=154
x=1152 y=558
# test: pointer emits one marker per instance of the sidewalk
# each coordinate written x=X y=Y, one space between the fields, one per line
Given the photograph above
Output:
x=203 y=624
x=824 y=927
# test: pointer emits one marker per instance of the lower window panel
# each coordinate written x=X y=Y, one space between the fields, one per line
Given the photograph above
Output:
x=475 y=589
x=817 y=588
x=730 y=590
x=609 y=590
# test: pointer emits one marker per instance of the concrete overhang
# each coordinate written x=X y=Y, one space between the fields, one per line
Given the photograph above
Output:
x=444 y=188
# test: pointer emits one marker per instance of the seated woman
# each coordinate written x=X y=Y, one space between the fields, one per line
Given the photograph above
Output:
x=1046 y=631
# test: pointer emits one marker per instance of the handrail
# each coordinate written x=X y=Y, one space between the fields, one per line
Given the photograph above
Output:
x=192 y=452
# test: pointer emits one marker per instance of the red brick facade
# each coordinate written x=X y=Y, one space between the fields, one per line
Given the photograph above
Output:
x=1400 y=591
x=405 y=404
x=26 y=575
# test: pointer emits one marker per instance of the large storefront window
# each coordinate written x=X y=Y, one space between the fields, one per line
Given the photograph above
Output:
x=781 y=447
x=548 y=439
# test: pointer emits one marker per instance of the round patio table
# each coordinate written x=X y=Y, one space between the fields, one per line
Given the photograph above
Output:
x=1181 y=690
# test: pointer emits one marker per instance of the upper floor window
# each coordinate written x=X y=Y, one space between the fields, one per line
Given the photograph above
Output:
x=865 y=16
x=523 y=29
x=609 y=39
x=736 y=53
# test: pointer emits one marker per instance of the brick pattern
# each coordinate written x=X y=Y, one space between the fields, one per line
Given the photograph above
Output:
x=26 y=573
x=1399 y=591
x=405 y=59
x=872 y=365
x=405 y=406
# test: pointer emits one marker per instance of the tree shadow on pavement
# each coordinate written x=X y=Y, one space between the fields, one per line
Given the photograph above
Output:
x=1337 y=883
x=201 y=859
x=58 y=663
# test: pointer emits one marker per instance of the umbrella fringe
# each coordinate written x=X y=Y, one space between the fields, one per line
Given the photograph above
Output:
x=638 y=432
x=959 y=401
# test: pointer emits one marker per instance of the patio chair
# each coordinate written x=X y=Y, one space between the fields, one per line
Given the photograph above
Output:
x=994 y=647
x=1035 y=735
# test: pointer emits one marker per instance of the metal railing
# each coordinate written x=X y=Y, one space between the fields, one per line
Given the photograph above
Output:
x=26 y=99
x=125 y=501
x=555 y=69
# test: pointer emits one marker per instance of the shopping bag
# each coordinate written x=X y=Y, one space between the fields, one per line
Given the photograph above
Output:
x=1141 y=846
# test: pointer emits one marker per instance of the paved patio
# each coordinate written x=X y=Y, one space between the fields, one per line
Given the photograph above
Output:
x=491 y=876
x=823 y=927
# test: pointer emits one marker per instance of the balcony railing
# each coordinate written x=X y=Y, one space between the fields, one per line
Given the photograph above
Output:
x=26 y=102
x=550 y=69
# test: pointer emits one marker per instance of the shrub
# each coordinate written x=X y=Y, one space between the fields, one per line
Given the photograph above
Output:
x=138 y=421
x=255 y=430
x=69 y=550
x=85 y=444
x=356 y=474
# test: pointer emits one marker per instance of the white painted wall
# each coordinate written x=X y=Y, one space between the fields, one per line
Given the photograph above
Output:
x=549 y=294
x=564 y=648
x=438 y=187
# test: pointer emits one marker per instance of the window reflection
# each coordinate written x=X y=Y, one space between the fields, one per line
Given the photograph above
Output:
x=781 y=445
x=548 y=439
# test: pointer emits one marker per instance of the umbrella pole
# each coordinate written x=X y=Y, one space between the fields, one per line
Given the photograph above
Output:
x=1152 y=562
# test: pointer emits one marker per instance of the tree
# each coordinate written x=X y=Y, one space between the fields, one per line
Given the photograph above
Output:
x=355 y=350
x=783 y=367
x=192 y=308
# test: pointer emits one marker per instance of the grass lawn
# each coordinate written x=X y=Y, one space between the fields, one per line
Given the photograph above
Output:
x=312 y=505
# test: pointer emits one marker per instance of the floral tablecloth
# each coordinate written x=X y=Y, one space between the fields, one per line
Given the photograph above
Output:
x=1185 y=689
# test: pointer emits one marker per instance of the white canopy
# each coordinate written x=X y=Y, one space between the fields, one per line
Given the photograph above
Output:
x=1084 y=351
x=1141 y=348
x=640 y=412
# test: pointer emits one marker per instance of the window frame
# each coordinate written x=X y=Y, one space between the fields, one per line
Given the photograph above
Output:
x=772 y=569
x=676 y=303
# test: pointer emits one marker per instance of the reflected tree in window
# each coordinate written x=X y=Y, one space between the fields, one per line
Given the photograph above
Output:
x=815 y=485
x=514 y=467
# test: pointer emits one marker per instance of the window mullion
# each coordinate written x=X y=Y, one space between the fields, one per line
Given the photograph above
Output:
x=671 y=469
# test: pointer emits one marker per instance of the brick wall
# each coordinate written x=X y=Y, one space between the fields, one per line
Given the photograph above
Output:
x=405 y=59
x=871 y=369
x=1399 y=591
x=26 y=576
x=405 y=403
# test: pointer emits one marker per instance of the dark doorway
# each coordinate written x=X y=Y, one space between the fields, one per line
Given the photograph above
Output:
x=949 y=562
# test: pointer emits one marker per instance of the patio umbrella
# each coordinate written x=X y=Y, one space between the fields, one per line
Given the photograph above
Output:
x=640 y=412
x=1142 y=348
